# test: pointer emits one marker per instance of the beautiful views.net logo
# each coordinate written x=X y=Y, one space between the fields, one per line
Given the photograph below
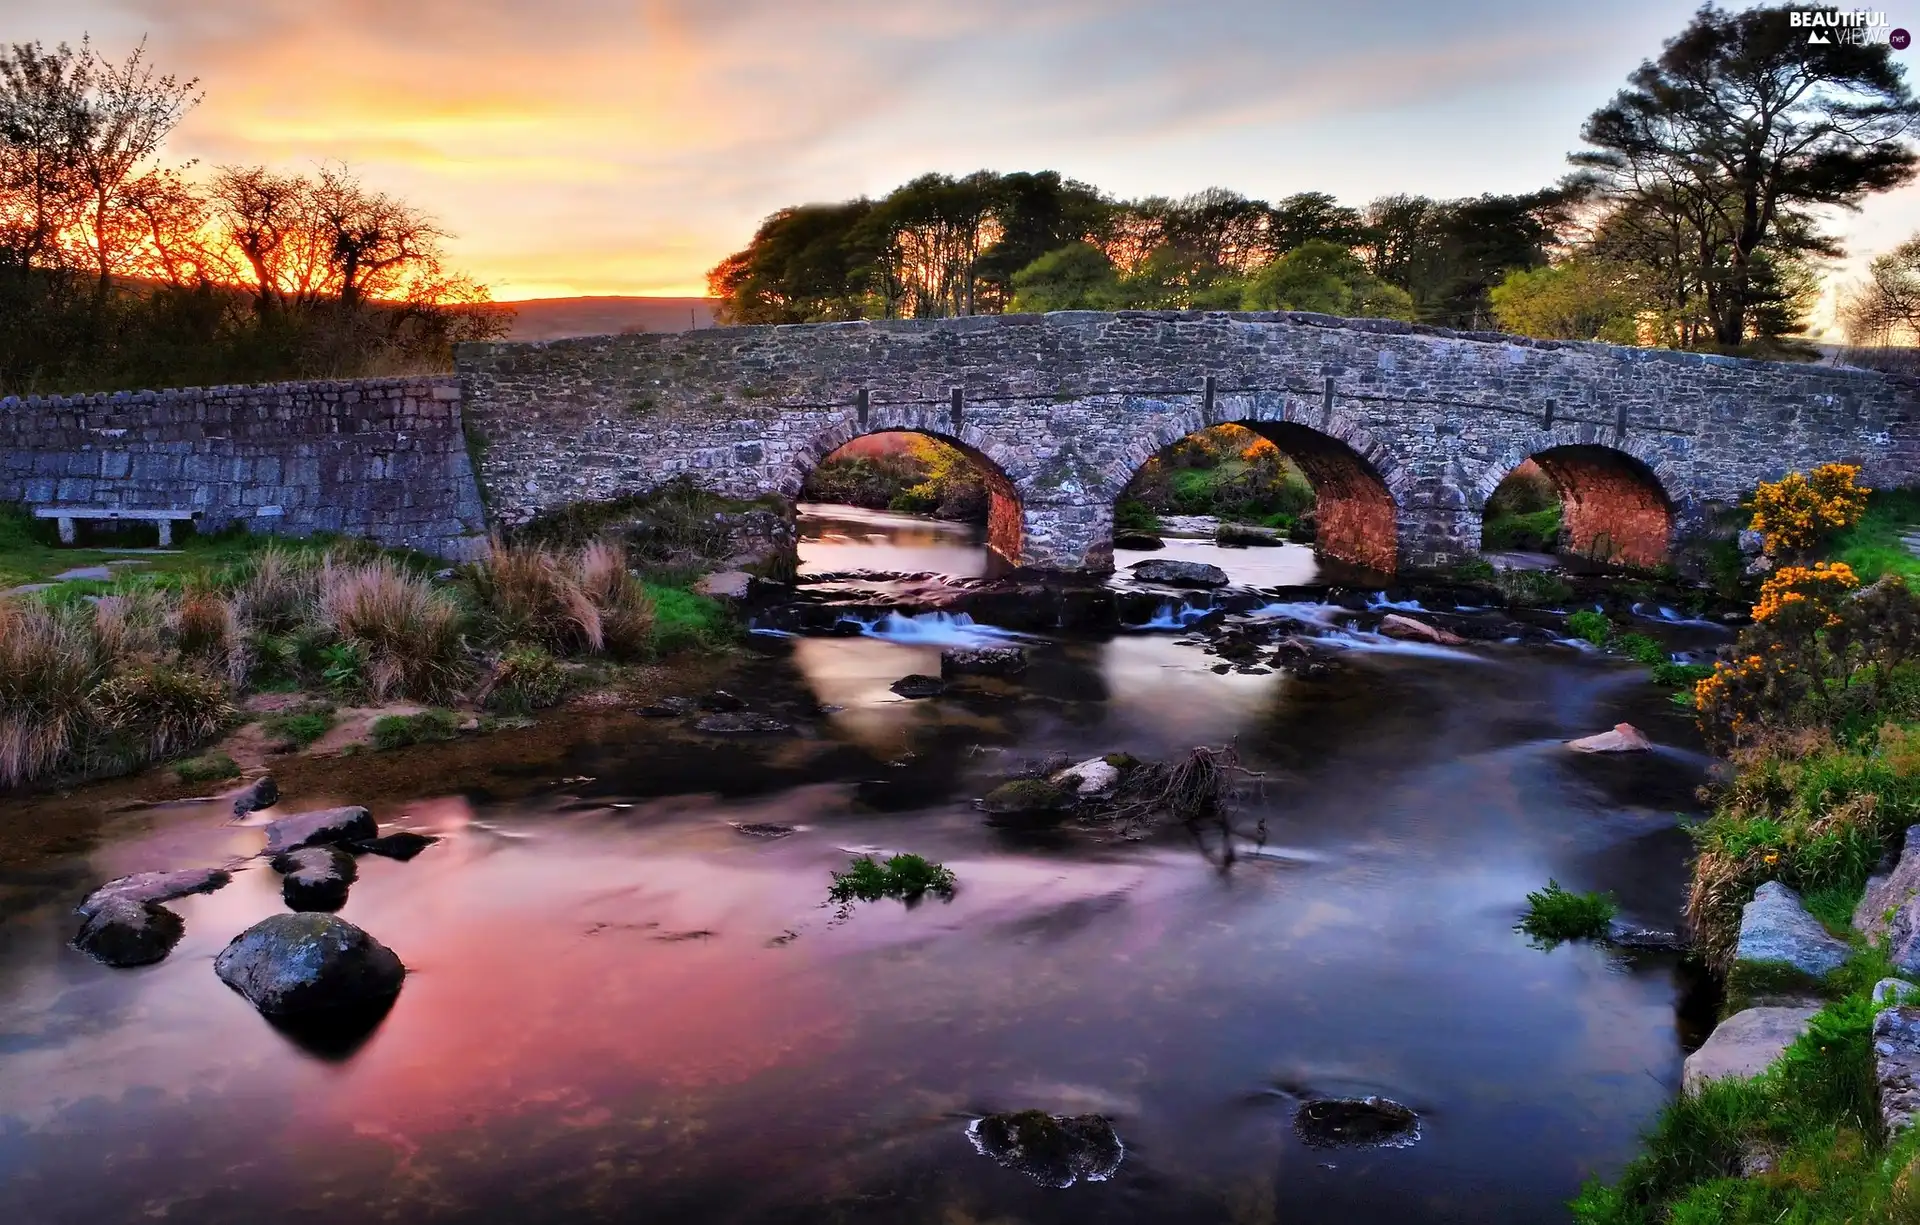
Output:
x=1857 y=26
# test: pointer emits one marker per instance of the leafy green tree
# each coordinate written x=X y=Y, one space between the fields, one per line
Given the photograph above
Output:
x=1737 y=135
x=1037 y=214
x=1308 y=215
x=1329 y=279
x=813 y=263
x=1581 y=299
x=1074 y=277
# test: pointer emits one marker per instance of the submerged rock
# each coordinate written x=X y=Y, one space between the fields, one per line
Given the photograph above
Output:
x=1777 y=931
x=262 y=792
x=1027 y=802
x=763 y=829
x=721 y=700
x=742 y=722
x=919 y=686
x=1624 y=738
x=982 y=661
x=153 y=887
x=351 y=823
x=1137 y=540
x=1896 y=1065
x=1393 y=625
x=1052 y=1149
x=1174 y=573
x=1356 y=1122
x=315 y=877
x=1244 y=534
x=306 y=967
x=1891 y=891
x=1645 y=939
x=669 y=708
x=403 y=845
x=123 y=931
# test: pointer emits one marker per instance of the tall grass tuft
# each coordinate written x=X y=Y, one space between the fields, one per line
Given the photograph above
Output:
x=528 y=594
x=406 y=635
x=626 y=611
x=155 y=710
x=48 y=668
x=131 y=623
x=278 y=594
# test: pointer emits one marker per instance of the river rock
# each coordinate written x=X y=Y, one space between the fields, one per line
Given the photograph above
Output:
x=1244 y=534
x=1142 y=541
x=1775 y=929
x=351 y=823
x=1752 y=542
x=1624 y=738
x=726 y=585
x=1356 y=1122
x=1645 y=939
x=403 y=845
x=1027 y=803
x=721 y=700
x=1896 y=1065
x=123 y=931
x=300 y=967
x=1052 y=1149
x=153 y=887
x=315 y=877
x=1898 y=990
x=1094 y=776
x=1890 y=891
x=919 y=686
x=742 y=723
x=262 y=792
x=669 y=708
x=1393 y=625
x=983 y=661
x=1172 y=573
x=1745 y=1043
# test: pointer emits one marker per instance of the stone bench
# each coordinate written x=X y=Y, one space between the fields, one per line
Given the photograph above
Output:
x=160 y=517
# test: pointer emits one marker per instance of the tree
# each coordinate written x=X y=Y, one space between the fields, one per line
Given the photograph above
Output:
x=1309 y=215
x=931 y=233
x=1886 y=310
x=1075 y=277
x=1038 y=213
x=813 y=263
x=1740 y=130
x=1326 y=278
x=1580 y=299
x=375 y=242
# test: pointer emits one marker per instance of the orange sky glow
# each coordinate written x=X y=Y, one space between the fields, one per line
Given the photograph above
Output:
x=625 y=146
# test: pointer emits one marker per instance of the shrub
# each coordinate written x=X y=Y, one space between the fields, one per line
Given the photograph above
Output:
x=905 y=876
x=406 y=634
x=1533 y=588
x=1688 y=675
x=525 y=679
x=1133 y=515
x=1591 y=626
x=1796 y=512
x=427 y=727
x=1555 y=914
x=48 y=669
x=1535 y=532
x=529 y=595
x=155 y=710
x=626 y=611
x=206 y=768
x=301 y=727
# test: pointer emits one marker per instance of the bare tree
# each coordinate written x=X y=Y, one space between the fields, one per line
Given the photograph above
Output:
x=125 y=113
x=40 y=130
x=377 y=242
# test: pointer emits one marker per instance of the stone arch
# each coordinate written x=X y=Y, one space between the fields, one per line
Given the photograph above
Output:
x=1614 y=500
x=1005 y=521
x=1357 y=481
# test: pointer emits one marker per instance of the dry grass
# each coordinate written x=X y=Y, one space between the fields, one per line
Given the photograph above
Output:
x=279 y=594
x=626 y=612
x=131 y=624
x=158 y=710
x=565 y=602
x=48 y=671
x=407 y=635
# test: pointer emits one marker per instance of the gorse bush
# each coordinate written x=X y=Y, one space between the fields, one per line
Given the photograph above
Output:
x=1796 y=512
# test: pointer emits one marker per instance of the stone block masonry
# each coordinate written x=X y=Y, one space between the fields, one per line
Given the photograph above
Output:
x=1404 y=430
x=384 y=459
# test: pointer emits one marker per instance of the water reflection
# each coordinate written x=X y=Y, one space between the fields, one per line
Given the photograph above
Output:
x=835 y=538
x=621 y=1007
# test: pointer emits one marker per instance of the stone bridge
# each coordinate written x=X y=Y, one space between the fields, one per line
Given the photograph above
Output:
x=1403 y=430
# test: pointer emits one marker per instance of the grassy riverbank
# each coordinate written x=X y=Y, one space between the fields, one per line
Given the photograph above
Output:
x=292 y=638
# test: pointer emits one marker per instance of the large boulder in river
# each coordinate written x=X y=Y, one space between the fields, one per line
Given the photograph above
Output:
x=1624 y=738
x=1052 y=1149
x=1356 y=1122
x=122 y=931
x=1393 y=625
x=262 y=792
x=1745 y=1044
x=322 y=825
x=1890 y=892
x=1241 y=535
x=1172 y=573
x=309 y=968
x=1776 y=932
x=919 y=686
x=982 y=661
x=1141 y=541
x=315 y=877
x=153 y=887
x=1095 y=776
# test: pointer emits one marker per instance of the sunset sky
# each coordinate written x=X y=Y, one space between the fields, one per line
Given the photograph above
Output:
x=623 y=146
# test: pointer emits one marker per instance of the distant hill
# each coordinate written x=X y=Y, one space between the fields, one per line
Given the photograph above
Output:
x=553 y=318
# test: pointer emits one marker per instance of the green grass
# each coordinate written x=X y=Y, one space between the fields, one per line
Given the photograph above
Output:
x=427 y=727
x=1590 y=625
x=683 y=619
x=1555 y=914
x=1535 y=532
x=903 y=876
x=30 y=552
x=302 y=727
x=1813 y=1111
x=208 y=767
x=1872 y=546
x=1641 y=649
x=1681 y=675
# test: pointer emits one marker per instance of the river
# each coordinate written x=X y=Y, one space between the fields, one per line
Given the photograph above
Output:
x=620 y=1007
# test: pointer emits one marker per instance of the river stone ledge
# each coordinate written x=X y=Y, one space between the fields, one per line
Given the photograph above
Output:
x=1777 y=932
x=1746 y=1043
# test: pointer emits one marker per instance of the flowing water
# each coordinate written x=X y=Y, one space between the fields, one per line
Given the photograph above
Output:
x=620 y=1007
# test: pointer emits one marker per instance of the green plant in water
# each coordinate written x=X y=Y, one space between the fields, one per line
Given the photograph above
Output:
x=905 y=876
x=1641 y=649
x=427 y=727
x=1590 y=625
x=1555 y=914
